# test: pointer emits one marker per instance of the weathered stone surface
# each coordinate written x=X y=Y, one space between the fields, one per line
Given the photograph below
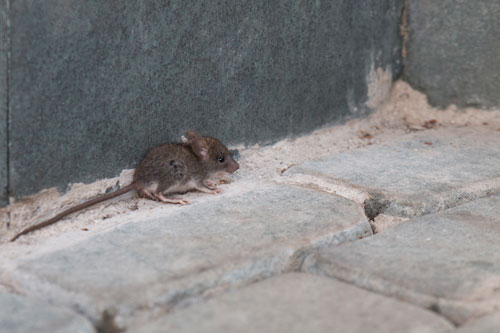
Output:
x=94 y=85
x=20 y=315
x=3 y=105
x=418 y=174
x=300 y=303
x=449 y=261
x=487 y=324
x=453 y=50
x=164 y=260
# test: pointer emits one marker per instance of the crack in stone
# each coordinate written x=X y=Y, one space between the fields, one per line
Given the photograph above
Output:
x=375 y=205
x=107 y=323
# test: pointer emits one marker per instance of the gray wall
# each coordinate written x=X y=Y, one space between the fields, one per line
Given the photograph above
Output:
x=94 y=84
x=453 y=51
x=3 y=107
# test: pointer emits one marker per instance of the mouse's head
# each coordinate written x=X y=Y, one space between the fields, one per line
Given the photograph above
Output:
x=213 y=154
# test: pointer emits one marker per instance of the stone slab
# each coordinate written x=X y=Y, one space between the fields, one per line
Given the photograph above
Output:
x=21 y=314
x=448 y=262
x=452 y=51
x=300 y=303
x=94 y=85
x=487 y=324
x=164 y=260
x=417 y=174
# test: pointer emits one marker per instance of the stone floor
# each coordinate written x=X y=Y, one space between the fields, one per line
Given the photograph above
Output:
x=291 y=253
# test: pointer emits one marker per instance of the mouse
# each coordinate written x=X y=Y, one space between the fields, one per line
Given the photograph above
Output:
x=167 y=169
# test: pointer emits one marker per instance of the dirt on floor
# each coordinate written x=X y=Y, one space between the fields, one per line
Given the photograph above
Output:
x=406 y=110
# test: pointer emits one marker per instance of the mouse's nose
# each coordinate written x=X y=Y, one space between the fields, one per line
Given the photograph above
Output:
x=233 y=166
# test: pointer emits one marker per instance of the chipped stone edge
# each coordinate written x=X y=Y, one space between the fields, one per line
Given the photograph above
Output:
x=400 y=208
x=324 y=183
x=36 y=296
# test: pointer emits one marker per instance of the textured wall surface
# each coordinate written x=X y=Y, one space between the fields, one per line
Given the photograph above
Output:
x=453 y=51
x=3 y=107
x=94 y=84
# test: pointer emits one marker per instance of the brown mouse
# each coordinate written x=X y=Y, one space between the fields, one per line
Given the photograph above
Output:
x=167 y=169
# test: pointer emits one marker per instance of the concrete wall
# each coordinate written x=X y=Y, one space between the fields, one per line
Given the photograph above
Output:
x=94 y=84
x=3 y=107
x=453 y=51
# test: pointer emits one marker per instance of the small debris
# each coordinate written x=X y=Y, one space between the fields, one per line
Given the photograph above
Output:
x=428 y=143
x=430 y=123
x=383 y=222
x=107 y=216
x=113 y=188
x=224 y=181
x=85 y=229
x=134 y=207
x=413 y=128
x=365 y=135
x=485 y=123
x=282 y=170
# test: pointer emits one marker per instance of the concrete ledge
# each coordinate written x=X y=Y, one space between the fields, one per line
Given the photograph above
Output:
x=418 y=174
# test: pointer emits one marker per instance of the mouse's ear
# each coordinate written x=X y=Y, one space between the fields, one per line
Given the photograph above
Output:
x=198 y=144
x=192 y=134
x=200 y=147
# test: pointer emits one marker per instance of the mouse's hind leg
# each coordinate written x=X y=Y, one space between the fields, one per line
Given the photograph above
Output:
x=146 y=194
x=164 y=199
x=158 y=196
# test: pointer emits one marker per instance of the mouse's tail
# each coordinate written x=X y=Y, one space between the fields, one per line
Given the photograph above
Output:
x=128 y=188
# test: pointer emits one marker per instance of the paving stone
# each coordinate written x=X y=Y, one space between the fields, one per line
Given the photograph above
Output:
x=449 y=261
x=166 y=260
x=487 y=324
x=21 y=314
x=300 y=303
x=420 y=173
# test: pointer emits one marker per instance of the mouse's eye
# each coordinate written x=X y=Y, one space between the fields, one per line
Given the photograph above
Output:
x=221 y=159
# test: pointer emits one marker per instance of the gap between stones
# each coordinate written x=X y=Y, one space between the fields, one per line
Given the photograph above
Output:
x=376 y=203
x=183 y=299
x=107 y=323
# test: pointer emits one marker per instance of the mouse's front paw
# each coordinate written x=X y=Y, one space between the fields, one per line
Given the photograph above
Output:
x=210 y=188
x=212 y=191
x=210 y=185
